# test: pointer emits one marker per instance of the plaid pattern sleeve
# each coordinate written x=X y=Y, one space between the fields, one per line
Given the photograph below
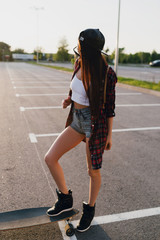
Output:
x=98 y=139
x=110 y=93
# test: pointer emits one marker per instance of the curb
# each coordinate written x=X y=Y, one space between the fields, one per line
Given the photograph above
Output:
x=139 y=89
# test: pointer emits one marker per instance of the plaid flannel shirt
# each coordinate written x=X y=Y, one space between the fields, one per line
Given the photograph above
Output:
x=99 y=127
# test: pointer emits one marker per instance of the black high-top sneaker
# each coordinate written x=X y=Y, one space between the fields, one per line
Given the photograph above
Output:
x=86 y=218
x=64 y=203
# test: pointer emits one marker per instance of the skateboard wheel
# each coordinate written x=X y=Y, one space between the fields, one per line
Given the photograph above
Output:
x=69 y=230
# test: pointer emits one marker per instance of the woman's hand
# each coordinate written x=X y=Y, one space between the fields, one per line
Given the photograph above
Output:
x=108 y=143
x=109 y=136
x=66 y=102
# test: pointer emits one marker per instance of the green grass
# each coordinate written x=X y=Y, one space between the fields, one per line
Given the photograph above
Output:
x=129 y=81
x=139 y=83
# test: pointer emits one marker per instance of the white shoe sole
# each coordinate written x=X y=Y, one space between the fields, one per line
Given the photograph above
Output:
x=54 y=215
x=83 y=230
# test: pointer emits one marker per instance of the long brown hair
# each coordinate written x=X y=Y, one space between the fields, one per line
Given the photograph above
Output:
x=93 y=69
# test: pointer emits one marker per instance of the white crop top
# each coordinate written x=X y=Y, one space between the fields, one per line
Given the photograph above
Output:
x=78 y=92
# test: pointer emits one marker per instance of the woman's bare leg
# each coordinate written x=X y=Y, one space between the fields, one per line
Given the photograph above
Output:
x=67 y=140
x=95 y=178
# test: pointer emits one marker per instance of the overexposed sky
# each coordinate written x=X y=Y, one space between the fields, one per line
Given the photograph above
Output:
x=139 y=23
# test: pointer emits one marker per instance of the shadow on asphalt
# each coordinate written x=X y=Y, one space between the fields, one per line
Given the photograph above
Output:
x=94 y=233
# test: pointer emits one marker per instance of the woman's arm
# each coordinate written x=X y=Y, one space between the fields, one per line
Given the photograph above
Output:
x=66 y=102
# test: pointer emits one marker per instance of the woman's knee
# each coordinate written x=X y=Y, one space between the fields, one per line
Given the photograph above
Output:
x=50 y=159
x=52 y=156
x=47 y=158
x=94 y=172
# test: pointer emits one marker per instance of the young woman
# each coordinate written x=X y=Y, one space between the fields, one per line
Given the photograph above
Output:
x=92 y=99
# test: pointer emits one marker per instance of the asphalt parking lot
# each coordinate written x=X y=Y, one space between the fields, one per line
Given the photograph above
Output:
x=128 y=206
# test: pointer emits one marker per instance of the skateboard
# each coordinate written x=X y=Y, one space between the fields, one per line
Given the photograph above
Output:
x=33 y=217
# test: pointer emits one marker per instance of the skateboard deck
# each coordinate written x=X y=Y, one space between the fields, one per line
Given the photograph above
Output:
x=31 y=217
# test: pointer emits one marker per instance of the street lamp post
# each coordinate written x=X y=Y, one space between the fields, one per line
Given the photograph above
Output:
x=37 y=9
x=117 y=47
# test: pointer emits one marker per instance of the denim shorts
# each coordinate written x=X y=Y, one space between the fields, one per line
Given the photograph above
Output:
x=82 y=121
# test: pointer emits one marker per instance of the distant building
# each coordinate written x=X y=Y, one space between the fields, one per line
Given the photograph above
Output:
x=21 y=56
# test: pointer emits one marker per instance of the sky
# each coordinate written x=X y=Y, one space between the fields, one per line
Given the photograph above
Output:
x=22 y=26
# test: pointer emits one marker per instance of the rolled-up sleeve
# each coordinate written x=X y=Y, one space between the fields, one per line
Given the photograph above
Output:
x=110 y=93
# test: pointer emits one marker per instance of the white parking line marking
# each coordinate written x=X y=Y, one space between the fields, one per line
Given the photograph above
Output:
x=56 y=94
x=62 y=225
x=38 y=78
x=135 y=129
x=128 y=94
x=33 y=137
x=22 y=109
x=37 y=95
x=41 y=81
x=31 y=87
x=123 y=216
x=113 y=218
x=138 y=105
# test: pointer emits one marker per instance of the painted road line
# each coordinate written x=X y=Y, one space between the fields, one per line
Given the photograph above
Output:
x=123 y=216
x=32 y=87
x=56 y=94
x=126 y=94
x=135 y=129
x=41 y=81
x=33 y=137
x=41 y=78
x=139 y=105
x=113 y=218
x=37 y=95
x=22 y=109
x=62 y=225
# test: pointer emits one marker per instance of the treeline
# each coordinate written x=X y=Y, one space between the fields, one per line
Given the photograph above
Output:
x=137 y=58
x=63 y=54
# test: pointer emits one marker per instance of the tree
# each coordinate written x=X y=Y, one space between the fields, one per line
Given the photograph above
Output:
x=62 y=53
x=18 y=50
x=139 y=57
x=155 y=55
x=108 y=59
x=112 y=56
x=134 y=58
x=146 y=57
x=40 y=53
x=123 y=58
x=5 y=52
